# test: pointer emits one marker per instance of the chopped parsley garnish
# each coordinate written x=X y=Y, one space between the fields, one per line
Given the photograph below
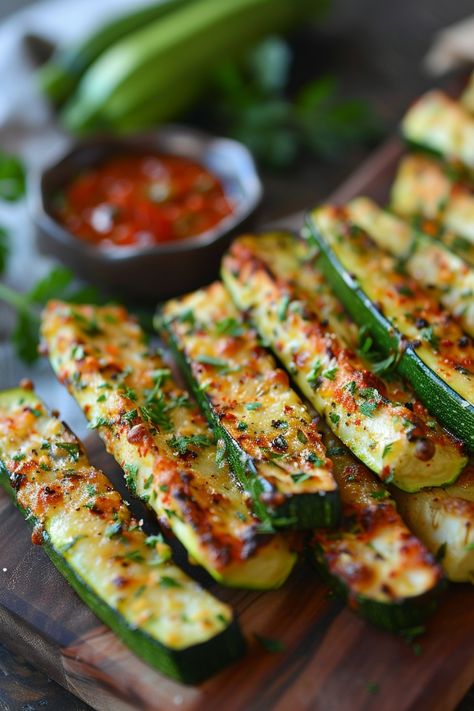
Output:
x=381 y=494
x=283 y=307
x=155 y=411
x=152 y=541
x=314 y=459
x=129 y=416
x=242 y=426
x=253 y=405
x=128 y=392
x=229 y=327
x=131 y=473
x=182 y=443
x=167 y=582
x=301 y=476
x=114 y=529
x=315 y=372
x=135 y=556
x=72 y=448
x=215 y=362
x=334 y=417
x=387 y=449
x=187 y=317
x=429 y=335
x=302 y=437
x=330 y=374
x=100 y=422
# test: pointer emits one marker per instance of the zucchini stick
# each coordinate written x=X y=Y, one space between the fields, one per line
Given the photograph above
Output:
x=273 y=445
x=127 y=579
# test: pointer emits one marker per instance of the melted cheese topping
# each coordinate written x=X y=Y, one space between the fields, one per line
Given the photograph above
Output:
x=78 y=512
x=162 y=442
x=261 y=272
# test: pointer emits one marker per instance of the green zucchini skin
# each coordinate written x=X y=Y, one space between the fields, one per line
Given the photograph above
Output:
x=50 y=506
x=372 y=559
x=61 y=74
x=247 y=375
x=450 y=408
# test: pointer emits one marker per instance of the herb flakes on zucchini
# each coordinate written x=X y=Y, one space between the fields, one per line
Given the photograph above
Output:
x=431 y=350
x=388 y=437
x=127 y=579
x=273 y=445
x=431 y=263
x=163 y=443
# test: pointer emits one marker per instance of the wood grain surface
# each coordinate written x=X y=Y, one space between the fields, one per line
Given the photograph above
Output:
x=331 y=660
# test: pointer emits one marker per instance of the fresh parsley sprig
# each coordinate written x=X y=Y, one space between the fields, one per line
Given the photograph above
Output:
x=254 y=105
x=57 y=284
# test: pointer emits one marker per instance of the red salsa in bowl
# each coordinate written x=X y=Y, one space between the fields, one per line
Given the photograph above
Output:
x=142 y=199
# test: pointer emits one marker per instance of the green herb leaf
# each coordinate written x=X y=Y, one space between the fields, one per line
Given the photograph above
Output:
x=183 y=443
x=12 y=178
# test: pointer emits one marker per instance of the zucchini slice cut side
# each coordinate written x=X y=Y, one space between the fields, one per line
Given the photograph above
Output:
x=263 y=424
x=441 y=125
x=433 y=353
x=386 y=436
x=424 y=191
x=163 y=443
x=431 y=263
x=128 y=580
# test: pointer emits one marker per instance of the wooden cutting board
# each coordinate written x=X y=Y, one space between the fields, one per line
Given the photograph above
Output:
x=331 y=661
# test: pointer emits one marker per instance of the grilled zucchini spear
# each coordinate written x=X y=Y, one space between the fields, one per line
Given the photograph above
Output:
x=424 y=192
x=387 y=436
x=267 y=432
x=162 y=442
x=435 y=266
x=432 y=351
x=127 y=579
x=442 y=126
x=372 y=560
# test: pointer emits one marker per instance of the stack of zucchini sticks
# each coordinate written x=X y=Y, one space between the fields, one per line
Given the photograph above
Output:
x=332 y=413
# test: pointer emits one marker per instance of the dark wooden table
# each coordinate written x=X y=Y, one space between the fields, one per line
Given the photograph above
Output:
x=375 y=47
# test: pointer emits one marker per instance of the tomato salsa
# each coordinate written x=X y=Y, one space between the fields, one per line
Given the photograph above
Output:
x=142 y=199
